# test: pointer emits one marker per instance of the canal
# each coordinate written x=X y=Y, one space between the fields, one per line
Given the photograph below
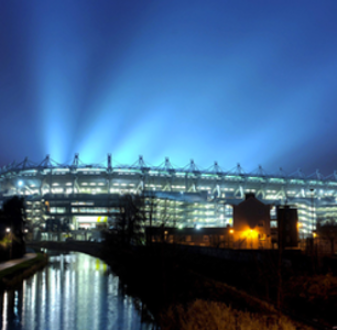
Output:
x=75 y=291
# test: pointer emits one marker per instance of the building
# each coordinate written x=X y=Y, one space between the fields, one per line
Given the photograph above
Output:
x=287 y=228
x=85 y=196
x=209 y=237
x=252 y=224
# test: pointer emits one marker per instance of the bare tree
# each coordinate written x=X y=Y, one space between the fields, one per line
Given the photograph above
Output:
x=157 y=214
x=140 y=217
x=127 y=223
x=12 y=220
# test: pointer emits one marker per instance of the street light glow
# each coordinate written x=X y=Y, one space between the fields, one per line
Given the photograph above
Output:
x=8 y=230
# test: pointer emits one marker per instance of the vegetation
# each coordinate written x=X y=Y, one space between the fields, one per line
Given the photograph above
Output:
x=11 y=276
x=327 y=232
x=12 y=220
x=134 y=220
x=211 y=315
x=313 y=295
x=316 y=289
x=129 y=220
x=19 y=268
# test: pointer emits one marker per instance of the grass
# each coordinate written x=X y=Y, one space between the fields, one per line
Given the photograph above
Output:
x=210 y=315
x=8 y=275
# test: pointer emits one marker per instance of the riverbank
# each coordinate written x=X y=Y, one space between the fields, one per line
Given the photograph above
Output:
x=161 y=281
x=18 y=270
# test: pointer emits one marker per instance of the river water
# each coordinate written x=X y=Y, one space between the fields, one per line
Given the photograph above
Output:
x=76 y=292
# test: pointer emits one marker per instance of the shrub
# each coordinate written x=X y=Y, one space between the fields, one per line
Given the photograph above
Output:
x=218 y=316
x=315 y=289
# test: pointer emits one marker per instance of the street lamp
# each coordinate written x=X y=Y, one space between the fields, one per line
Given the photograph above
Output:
x=8 y=230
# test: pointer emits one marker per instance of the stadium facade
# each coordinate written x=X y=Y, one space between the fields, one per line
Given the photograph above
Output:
x=86 y=196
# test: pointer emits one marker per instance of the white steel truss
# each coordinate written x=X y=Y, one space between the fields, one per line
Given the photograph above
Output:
x=201 y=197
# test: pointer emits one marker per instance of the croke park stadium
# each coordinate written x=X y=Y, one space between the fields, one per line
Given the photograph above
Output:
x=86 y=196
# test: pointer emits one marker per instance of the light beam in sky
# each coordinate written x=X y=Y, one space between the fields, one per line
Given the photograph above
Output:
x=226 y=81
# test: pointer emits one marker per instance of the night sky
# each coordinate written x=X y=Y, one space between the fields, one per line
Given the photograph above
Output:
x=249 y=82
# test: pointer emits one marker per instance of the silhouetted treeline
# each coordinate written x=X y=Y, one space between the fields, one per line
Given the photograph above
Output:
x=12 y=220
x=129 y=222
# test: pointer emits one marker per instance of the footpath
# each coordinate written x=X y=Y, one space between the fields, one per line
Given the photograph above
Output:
x=14 y=262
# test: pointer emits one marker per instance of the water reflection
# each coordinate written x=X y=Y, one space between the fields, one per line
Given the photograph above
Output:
x=75 y=291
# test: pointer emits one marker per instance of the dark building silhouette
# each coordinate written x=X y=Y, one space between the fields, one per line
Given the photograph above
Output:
x=287 y=223
x=252 y=223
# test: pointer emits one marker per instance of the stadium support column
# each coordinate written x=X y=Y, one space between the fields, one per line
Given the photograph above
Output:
x=76 y=160
x=109 y=163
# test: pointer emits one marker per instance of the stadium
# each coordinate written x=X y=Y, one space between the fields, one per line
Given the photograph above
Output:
x=86 y=196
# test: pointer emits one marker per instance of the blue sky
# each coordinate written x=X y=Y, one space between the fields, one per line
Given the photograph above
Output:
x=249 y=82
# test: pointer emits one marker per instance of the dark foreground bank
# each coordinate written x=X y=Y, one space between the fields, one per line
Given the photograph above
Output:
x=173 y=291
x=13 y=275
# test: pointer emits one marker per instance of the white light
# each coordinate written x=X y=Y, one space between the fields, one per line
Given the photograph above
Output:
x=20 y=183
x=197 y=227
x=8 y=230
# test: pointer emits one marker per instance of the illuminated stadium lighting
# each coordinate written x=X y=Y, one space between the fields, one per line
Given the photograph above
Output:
x=196 y=197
